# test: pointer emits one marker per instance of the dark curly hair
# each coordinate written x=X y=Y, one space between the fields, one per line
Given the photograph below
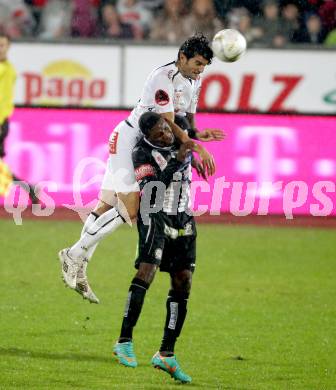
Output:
x=147 y=121
x=198 y=44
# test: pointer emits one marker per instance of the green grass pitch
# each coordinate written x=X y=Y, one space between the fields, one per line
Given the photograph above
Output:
x=262 y=312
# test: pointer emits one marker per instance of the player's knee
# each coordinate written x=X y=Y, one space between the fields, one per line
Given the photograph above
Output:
x=146 y=272
x=182 y=280
x=108 y=197
x=129 y=214
x=102 y=207
x=133 y=213
x=128 y=206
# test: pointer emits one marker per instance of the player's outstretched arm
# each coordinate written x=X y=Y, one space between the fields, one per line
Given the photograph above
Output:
x=210 y=135
x=207 y=134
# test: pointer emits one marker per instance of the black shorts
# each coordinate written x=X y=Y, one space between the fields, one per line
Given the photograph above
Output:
x=168 y=241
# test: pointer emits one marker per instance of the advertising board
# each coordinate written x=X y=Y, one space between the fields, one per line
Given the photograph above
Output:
x=268 y=164
x=263 y=80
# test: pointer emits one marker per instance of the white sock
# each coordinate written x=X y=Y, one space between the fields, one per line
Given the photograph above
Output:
x=90 y=252
x=90 y=220
x=102 y=226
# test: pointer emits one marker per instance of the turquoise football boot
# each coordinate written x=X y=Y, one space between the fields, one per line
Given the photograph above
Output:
x=125 y=354
x=171 y=366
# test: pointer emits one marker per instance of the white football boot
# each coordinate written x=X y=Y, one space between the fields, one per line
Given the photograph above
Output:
x=70 y=268
x=82 y=284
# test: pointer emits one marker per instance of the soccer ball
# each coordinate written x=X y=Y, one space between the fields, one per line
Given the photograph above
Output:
x=228 y=45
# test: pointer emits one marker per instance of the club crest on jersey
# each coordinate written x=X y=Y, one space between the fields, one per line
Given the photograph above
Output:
x=161 y=97
x=159 y=159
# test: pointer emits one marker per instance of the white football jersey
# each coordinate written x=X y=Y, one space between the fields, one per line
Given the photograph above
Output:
x=166 y=90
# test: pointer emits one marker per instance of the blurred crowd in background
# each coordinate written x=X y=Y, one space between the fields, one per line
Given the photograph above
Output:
x=268 y=23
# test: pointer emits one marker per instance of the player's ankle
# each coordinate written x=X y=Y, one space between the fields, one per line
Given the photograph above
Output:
x=167 y=353
x=124 y=340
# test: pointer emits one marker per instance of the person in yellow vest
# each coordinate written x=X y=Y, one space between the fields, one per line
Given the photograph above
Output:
x=7 y=83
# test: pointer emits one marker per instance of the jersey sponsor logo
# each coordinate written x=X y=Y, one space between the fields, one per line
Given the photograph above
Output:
x=113 y=143
x=160 y=160
x=161 y=97
x=179 y=100
x=143 y=171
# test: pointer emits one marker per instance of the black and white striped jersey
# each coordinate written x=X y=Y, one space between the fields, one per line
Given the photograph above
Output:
x=155 y=164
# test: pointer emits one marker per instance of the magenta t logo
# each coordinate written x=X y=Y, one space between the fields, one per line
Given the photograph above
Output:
x=267 y=155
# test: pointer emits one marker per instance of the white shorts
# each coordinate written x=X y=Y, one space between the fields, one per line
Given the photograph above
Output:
x=119 y=174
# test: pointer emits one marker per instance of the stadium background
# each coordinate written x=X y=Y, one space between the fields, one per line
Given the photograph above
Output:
x=278 y=130
x=262 y=310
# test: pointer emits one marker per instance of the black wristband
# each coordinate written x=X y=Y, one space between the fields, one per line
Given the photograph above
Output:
x=192 y=133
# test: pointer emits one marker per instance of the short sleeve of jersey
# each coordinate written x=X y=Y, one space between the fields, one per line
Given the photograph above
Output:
x=163 y=90
x=195 y=96
x=143 y=166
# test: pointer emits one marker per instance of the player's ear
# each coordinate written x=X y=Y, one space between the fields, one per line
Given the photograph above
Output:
x=183 y=58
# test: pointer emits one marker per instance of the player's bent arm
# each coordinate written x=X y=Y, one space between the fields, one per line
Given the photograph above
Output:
x=199 y=168
x=181 y=135
x=193 y=132
x=168 y=115
x=207 y=159
x=191 y=119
